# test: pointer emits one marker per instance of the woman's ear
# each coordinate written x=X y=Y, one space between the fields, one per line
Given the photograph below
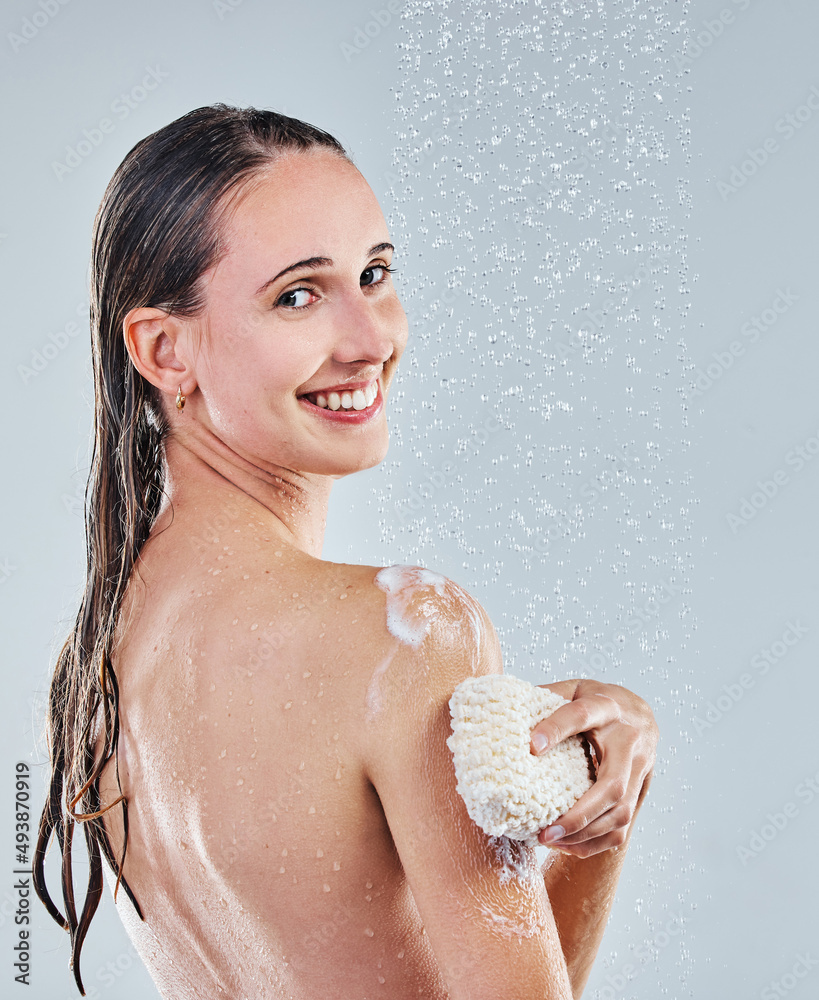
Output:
x=159 y=346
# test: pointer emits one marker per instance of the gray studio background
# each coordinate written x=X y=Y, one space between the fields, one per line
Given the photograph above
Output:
x=605 y=426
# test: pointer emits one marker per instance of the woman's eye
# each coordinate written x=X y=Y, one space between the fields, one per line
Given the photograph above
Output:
x=376 y=267
x=294 y=294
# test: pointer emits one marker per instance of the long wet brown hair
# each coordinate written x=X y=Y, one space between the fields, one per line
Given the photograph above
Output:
x=156 y=233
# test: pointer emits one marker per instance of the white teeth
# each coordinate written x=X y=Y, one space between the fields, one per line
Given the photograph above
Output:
x=360 y=399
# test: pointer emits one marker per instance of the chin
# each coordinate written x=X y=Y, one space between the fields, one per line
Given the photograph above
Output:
x=345 y=466
x=356 y=467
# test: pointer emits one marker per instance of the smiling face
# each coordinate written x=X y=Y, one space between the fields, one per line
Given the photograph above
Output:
x=294 y=368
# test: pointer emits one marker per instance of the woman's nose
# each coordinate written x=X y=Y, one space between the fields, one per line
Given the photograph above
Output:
x=369 y=331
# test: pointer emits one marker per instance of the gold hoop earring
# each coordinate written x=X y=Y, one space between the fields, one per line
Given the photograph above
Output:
x=180 y=399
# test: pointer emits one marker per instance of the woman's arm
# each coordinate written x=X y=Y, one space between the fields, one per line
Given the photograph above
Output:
x=581 y=882
x=581 y=891
x=483 y=902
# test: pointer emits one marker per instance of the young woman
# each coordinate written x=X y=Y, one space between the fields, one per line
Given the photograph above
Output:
x=254 y=738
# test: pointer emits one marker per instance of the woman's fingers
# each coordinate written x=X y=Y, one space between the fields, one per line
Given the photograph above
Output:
x=623 y=732
x=606 y=834
x=614 y=747
x=601 y=818
x=608 y=827
x=580 y=715
x=621 y=728
x=591 y=847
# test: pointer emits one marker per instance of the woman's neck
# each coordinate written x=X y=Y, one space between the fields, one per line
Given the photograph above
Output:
x=208 y=479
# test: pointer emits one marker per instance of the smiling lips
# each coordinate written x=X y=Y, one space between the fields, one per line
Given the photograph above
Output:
x=360 y=398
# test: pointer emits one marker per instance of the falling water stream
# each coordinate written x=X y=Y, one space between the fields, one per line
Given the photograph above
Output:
x=538 y=200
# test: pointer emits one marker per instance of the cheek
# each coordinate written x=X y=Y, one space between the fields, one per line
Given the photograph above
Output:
x=249 y=379
x=222 y=379
x=237 y=353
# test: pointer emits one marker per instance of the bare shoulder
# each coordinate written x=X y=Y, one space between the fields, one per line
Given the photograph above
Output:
x=431 y=634
x=434 y=631
x=408 y=606
x=407 y=636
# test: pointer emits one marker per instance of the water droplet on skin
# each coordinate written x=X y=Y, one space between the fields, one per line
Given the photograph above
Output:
x=319 y=853
x=369 y=931
x=326 y=887
x=311 y=810
x=336 y=866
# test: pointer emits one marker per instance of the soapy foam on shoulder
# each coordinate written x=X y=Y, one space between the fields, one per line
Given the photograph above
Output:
x=412 y=601
x=402 y=584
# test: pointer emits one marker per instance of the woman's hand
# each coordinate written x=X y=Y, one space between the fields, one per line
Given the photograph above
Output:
x=622 y=729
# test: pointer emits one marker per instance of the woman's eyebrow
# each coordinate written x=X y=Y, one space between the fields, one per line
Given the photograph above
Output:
x=312 y=263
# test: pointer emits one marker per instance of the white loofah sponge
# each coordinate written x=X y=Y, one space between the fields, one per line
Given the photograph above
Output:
x=509 y=791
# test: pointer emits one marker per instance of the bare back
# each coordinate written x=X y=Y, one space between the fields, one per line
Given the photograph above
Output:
x=258 y=849
x=259 y=696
